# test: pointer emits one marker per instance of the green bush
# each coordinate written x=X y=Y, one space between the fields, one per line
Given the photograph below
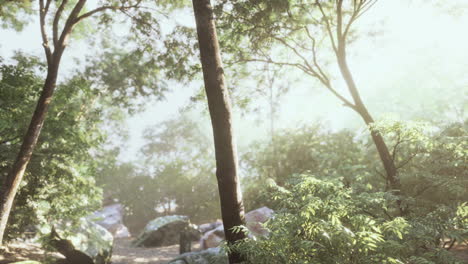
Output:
x=61 y=171
x=322 y=221
x=432 y=165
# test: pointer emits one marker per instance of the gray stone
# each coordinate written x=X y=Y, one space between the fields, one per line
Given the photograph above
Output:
x=209 y=226
x=209 y=256
x=255 y=218
x=254 y=222
x=111 y=218
x=165 y=231
x=88 y=239
x=212 y=238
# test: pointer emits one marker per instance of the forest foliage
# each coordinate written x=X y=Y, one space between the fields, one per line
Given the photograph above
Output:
x=332 y=198
x=336 y=207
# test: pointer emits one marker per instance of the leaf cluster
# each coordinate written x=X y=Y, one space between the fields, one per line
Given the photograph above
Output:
x=61 y=171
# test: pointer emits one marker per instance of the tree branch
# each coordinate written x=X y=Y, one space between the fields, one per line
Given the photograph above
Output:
x=399 y=141
x=139 y=20
x=103 y=8
x=314 y=56
x=45 y=40
x=367 y=4
x=451 y=244
x=47 y=5
x=284 y=42
x=387 y=214
x=354 y=16
x=401 y=165
x=345 y=101
x=97 y=10
x=296 y=65
x=369 y=213
x=442 y=183
x=9 y=140
x=69 y=24
x=327 y=24
x=339 y=22
x=56 y=21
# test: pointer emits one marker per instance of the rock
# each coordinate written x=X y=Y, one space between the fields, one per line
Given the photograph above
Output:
x=212 y=238
x=187 y=235
x=88 y=243
x=121 y=231
x=209 y=226
x=111 y=218
x=165 y=231
x=209 y=256
x=253 y=219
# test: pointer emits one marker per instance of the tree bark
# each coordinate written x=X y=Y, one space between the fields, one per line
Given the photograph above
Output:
x=11 y=183
x=360 y=108
x=232 y=208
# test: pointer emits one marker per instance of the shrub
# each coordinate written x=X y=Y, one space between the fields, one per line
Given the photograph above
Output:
x=322 y=221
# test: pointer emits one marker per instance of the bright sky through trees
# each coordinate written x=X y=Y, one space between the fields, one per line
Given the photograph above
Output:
x=410 y=52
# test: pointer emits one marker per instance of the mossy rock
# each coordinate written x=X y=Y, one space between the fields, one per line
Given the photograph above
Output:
x=162 y=231
x=87 y=239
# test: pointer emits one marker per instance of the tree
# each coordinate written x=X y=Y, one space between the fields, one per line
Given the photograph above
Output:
x=177 y=155
x=232 y=209
x=432 y=163
x=296 y=26
x=54 y=48
x=306 y=149
x=176 y=175
x=322 y=221
x=10 y=13
x=339 y=42
x=60 y=171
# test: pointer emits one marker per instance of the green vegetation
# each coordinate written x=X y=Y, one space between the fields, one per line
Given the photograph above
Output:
x=175 y=176
x=387 y=183
x=334 y=212
x=62 y=168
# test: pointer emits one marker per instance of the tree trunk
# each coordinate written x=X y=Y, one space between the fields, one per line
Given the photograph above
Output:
x=11 y=183
x=232 y=209
x=360 y=108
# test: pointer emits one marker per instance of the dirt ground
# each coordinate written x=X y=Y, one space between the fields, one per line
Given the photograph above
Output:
x=461 y=251
x=26 y=251
x=123 y=253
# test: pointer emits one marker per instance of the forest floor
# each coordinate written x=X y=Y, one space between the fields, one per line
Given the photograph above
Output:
x=123 y=253
x=461 y=251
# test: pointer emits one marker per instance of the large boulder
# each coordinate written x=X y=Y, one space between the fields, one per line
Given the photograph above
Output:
x=209 y=226
x=212 y=238
x=120 y=231
x=209 y=256
x=165 y=231
x=88 y=242
x=111 y=218
x=253 y=220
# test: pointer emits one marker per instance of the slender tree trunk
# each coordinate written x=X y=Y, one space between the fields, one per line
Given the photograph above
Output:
x=232 y=209
x=11 y=184
x=360 y=108
x=271 y=101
